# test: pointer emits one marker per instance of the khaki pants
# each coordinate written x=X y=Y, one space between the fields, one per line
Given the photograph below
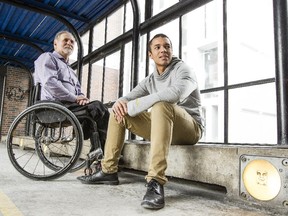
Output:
x=165 y=124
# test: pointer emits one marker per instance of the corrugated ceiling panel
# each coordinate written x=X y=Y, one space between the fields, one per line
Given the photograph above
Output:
x=39 y=29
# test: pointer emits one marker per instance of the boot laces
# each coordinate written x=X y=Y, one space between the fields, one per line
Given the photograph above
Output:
x=152 y=186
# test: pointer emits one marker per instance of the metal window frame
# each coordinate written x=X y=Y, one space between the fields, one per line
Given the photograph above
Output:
x=182 y=7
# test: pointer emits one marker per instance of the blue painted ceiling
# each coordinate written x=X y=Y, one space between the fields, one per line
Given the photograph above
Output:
x=28 y=27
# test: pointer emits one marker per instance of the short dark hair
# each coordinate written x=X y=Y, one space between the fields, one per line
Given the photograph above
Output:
x=157 y=36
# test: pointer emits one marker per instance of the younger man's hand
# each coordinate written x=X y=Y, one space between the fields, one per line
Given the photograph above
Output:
x=120 y=109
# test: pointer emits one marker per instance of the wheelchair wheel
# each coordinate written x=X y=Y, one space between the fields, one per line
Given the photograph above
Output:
x=44 y=150
x=37 y=146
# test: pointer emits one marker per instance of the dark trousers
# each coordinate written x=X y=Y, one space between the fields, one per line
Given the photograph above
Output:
x=98 y=112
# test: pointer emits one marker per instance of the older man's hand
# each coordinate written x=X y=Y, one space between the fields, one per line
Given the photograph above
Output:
x=82 y=100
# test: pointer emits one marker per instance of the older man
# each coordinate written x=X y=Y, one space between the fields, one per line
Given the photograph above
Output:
x=60 y=83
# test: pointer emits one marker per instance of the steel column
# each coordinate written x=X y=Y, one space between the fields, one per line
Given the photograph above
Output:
x=135 y=44
x=281 y=64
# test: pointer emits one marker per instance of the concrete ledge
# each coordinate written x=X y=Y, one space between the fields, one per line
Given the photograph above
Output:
x=27 y=142
x=213 y=164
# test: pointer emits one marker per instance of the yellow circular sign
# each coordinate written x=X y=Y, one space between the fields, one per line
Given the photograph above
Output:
x=262 y=180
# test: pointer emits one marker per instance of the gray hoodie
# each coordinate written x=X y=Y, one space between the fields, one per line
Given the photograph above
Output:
x=176 y=85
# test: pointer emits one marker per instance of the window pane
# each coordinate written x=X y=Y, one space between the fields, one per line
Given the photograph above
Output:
x=96 y=81
x=84 y=79
x=115 y=24
x=142 y=63
x=252 y=115
x=127 y=69
x=142 y=10
x=213 y=114
x=85 y=42
x=160 y=5
x=99 y=35
x=202 y=44
x=128 y=17
x=111 y=78
x=250 y=40
x=129 y=14
x=143 y=56
x=74 y=56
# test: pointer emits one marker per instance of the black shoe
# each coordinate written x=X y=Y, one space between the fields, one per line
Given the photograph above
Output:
x=154 y=197
x=100 y=178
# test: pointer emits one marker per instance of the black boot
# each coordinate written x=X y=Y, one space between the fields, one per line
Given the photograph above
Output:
x=100 y=178
x=154 y=197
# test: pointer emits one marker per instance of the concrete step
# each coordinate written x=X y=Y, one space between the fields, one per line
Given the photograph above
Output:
x=214 y=164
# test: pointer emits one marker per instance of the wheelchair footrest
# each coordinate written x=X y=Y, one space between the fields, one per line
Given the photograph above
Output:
x=93 y=162
x=96 y=154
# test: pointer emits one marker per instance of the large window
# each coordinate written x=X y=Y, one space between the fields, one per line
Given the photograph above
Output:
x=232 y=55
x=250 y=58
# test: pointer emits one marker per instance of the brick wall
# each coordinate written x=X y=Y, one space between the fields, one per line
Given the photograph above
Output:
x=17 y=81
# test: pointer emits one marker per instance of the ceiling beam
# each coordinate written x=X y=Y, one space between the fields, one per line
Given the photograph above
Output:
x=16 y=62
x=21 y=41
x=16 y=59
x=28 y=39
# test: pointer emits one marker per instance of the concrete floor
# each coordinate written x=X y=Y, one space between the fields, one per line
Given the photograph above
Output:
x=20 y=196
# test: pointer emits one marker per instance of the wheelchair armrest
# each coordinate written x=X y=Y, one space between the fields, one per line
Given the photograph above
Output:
x=109 y=104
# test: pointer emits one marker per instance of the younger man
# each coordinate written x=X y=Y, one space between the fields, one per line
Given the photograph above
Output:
x=172 y=93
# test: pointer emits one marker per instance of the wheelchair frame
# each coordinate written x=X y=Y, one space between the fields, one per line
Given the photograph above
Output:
x=45 y=122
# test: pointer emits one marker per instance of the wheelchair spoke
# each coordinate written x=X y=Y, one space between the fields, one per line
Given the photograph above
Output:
x=28 y=160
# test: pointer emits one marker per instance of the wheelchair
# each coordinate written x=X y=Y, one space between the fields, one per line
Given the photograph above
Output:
x=46 y=140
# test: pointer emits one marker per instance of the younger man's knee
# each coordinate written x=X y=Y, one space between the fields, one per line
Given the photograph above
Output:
x=161 y=107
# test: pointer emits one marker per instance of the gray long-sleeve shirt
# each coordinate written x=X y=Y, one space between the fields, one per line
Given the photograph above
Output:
x=177 y=85
x=58 y=80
